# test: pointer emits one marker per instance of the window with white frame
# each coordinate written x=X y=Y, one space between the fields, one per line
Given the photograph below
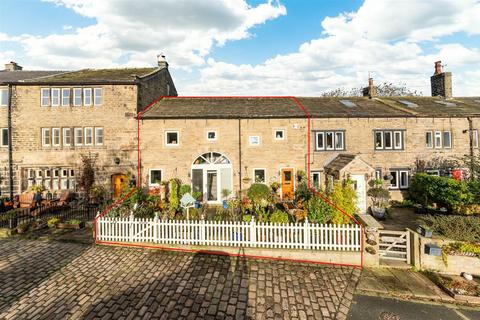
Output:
x=378 y=174
x=429 y=139
x=77 y=97
x=400 y=179
x=98 y=136
x=259 y=175
x=67 y=137
x=438 y=139
x=78 y=136
x=475 y=138
x=447 y=139
x=172 y=138
x=330 y=140
x=47 y=173
x=388 y=139
x=279 y=134
x=155 y=177
x=64 y=184
x=211 y=135
x=98 y=96
x=55 y=137
x=64 y=173
x=88 y=136
x=87 y=96
x=5 y=137
x=4 y=97
x=46 y=137
x=254 y=140
x=315 y=180
x=55 y=97
x=56 y=173
x=65 y=97
x=45 y=97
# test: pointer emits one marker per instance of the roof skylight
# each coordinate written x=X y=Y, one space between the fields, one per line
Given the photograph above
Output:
x=445 y=103
x=408 y=103
x=348 y=103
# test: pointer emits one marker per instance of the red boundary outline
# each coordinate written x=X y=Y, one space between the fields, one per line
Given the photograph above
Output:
x=139 y=183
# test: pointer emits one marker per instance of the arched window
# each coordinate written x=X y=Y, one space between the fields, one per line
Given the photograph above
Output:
x=211 y=174
x=211 y=158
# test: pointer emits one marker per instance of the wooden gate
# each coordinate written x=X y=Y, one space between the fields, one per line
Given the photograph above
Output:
x=394 y=245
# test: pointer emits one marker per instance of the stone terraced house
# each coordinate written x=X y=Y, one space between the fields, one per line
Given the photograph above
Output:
x=55 y=118
x=216 y=143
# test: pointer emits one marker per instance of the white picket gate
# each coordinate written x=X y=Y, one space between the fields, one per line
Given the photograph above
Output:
x=227 y=233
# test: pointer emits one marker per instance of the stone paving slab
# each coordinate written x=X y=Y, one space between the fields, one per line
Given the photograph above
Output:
x=55 y=280
x=400 y=283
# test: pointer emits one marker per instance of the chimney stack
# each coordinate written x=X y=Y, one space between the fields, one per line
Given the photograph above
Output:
x=371 y=90
x=12 y=66
x=441 y=82
x=162 y=62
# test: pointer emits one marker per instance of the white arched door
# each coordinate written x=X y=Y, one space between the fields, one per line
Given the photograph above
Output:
x=212 y=173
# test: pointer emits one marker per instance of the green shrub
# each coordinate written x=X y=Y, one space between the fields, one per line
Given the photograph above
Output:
x=345 y=198
x=458 y=228
x=173 y=195
x=74 y=221
x=184 y=189
x=303 y=193
x=247 y=218
x=319 y=211
x=445 y=192
x=279 y=216
x=259 y=194
x=52 y=222
x=196 y=195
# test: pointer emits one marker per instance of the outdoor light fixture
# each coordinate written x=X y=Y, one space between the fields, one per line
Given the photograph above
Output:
x=116 y=160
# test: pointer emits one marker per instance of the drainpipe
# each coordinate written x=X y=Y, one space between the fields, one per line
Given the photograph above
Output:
x=10 y=146
x=240 y=155
x=470 y=134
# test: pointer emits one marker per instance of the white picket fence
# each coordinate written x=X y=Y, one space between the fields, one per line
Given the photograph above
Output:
x=226 y=233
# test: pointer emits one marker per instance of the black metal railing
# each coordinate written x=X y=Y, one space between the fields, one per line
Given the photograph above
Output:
x=12 y=218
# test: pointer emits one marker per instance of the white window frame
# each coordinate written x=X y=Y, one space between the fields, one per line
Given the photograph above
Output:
x=65 y=130
x=98 y=129
x=4 y=93
x=44 y=130
x=75 y=130
x=63 y=97
x=63 y=184
x=59 y=96
x=449 y=133
x=322 y=134
x=95 y=95
x=380 y=147
x=342 y=135
x=42 y=104
x=55 y=184
x=429 y=144
x=64 y=173
x=172 y=144
x=275 y=134
x=1 y=138
x=39 y=174
x=85 y=90
x=316 y=173
x=86 y=129
x=153 y=184
x=59 y=137
x=400 y=172
x=215 y=135
x=475 y=138
x=326 y=140
x=378 y=174
x=47 y=173
x=438 y=134
x=264 y=175
x=71 y=173
x=385 y=140
x=251 y=141
x=56 y=173
x=77 y=94
x=398 y=134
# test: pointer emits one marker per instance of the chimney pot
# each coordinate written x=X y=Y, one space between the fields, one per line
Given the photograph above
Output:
x=371 y=90
x=12 y=66
x=438 y=67
x=162 y=62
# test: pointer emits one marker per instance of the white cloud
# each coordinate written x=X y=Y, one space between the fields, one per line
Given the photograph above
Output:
x=383 y=36
x=130 y=33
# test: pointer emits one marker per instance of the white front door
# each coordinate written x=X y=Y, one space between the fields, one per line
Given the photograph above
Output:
x=360 y=187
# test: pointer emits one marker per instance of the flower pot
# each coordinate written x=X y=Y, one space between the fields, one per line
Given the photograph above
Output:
x=427 y=233
x=197 y=204
x=378 y=213
x=225 y=204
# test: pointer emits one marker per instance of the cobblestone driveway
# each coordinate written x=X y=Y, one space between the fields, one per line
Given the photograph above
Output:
x=56 y=280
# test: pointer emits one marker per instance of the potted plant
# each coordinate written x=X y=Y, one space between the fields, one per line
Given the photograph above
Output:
x=37 y=191
x=22 y=227
x=52 y=222
x=225 y=194
x=379 y=196
x=425 y=231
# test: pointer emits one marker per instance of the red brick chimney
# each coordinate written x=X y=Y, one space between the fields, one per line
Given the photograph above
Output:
x=438 y=67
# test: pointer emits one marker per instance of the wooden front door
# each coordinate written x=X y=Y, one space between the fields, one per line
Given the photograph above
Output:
x=119 y=181
x=287 y=184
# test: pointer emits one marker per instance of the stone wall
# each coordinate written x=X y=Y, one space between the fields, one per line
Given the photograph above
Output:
x=155 y=86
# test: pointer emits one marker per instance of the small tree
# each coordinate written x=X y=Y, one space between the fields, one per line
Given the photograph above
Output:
x=379 y=194
x=87 y=178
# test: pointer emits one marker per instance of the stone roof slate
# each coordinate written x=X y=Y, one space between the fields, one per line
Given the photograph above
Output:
x=23 y=75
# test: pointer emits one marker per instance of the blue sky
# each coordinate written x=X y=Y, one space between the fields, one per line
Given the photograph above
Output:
x=255 y=47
